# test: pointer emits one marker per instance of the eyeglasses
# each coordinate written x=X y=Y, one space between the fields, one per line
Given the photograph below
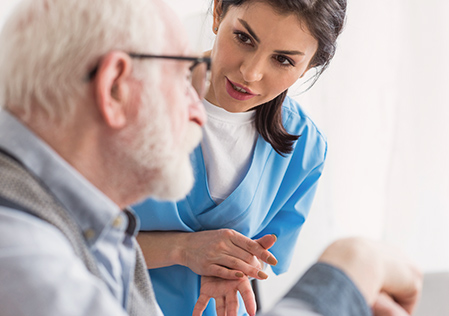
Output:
x=199 y=70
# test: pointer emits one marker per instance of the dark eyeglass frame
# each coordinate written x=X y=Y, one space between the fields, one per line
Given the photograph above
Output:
x=196 y=61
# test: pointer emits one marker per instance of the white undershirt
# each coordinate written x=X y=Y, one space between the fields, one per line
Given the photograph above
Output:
x=228 y=144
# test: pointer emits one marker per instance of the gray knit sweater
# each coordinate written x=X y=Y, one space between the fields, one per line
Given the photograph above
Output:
x=22 y=191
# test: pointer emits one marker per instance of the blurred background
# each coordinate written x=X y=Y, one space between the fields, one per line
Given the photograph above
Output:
x=384 y=105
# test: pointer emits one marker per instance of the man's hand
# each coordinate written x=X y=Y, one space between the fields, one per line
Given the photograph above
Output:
x=386 y=306
x=390 y=283
x=225 y=294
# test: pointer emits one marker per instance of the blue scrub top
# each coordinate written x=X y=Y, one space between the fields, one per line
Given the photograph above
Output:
x=274 y=198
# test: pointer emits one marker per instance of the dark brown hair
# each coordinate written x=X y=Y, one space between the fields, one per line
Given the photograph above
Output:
x=324 y=19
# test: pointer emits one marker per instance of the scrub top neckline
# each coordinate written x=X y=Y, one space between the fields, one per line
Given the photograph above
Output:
x=212 y=213
x=249 y=184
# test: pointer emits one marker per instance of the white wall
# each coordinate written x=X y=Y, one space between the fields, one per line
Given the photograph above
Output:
x=384 y=107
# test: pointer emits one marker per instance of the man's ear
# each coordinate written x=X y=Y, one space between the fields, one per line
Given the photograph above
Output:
x=218 y=11
x=112 y=88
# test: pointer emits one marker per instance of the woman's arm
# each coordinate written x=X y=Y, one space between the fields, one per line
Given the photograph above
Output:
x=222 y=253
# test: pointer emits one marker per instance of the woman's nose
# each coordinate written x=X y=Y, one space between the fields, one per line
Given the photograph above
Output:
x=252 y=69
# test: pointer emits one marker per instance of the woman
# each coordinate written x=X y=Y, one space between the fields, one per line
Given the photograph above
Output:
x=259 y=162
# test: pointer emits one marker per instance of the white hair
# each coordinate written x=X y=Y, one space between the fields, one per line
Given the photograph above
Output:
x=49 y=46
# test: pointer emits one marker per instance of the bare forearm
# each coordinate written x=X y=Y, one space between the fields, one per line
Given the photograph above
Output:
x=161 y=248
x=223 y=253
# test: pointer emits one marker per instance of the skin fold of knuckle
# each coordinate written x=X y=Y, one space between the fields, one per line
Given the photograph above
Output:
x=234 y=263
x=226 y=233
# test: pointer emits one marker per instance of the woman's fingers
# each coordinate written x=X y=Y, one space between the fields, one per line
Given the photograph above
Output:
x=230 y=274
x=267 y=241
x=237 y=268
x=226 y=253
x=258 y=247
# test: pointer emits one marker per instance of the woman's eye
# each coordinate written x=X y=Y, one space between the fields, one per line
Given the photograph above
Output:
x=284 y=61
x=243 y=38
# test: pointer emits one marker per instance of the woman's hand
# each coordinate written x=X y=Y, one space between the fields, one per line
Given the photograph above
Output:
x=223 y=253
x=225 y=294
x=227 y=254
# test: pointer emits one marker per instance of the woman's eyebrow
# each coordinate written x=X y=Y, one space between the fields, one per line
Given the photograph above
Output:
x=256 y=38
x=289 y=52
x=250 y=30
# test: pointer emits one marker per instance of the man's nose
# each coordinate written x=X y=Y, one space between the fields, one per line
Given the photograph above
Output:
x=197 y=113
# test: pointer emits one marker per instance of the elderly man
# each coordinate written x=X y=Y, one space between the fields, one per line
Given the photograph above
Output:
x=89 y=126
x=99 y=112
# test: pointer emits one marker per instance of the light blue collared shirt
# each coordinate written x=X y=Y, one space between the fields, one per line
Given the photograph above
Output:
x=39 y=272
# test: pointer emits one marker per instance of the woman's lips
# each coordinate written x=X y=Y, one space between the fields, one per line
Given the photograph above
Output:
x=238 y=95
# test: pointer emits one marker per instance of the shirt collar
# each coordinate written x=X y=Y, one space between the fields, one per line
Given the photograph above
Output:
x=90 y=207
x=219 y=114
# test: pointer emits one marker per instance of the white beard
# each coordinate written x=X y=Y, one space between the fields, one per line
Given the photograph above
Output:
x=176 y=175
x=157 y=167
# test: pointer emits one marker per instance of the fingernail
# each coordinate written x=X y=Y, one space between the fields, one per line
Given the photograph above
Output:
x=262 y=275
x=275 y=237
x=239 y=274
x=272 y=261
